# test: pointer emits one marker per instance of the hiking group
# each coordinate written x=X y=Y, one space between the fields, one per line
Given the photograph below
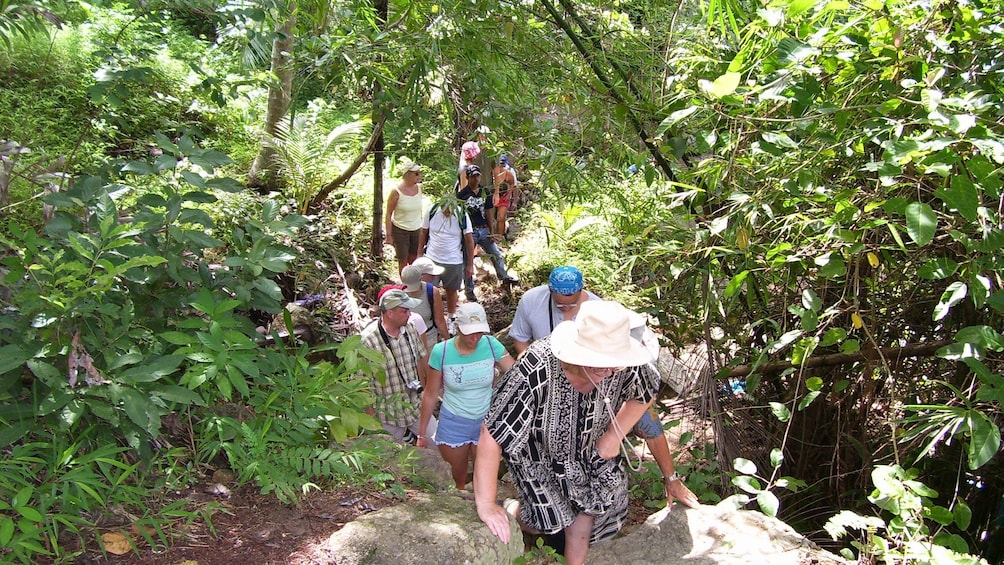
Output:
x=557 y=414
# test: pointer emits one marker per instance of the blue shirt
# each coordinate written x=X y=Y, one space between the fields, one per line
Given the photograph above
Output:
x=467 y=378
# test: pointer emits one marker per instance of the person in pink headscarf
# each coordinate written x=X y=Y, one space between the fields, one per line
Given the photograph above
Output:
x=468 y=152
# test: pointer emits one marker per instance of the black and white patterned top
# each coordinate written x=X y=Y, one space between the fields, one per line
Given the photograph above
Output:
x=548 y=433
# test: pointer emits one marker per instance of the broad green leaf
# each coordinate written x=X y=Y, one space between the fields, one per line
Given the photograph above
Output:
x=6 y=531
x=940 y=514
x=833 y=336
x=744 y=466
x=12 y=357
x=809 y=320
x=22 y=496
x=735 y=284
x=807 y=400
x=747 y=483
x=180 y=395
x=963 y=515
x=982 y=336
x=776 y=457
x=811 y=300
x=985 y=441
x=979 y=290
x=779 y=139
x=780 y=411
x=156 y=369
x=139 y=409
x=30 y=514
x=959 y=351
x=921 y=222
x=791 y=50
x=888 y=479
x=936 y=269
x=831 y=265
x=962 y=196
x=955 y=293
x=768 y=503
x=675 y=118
x=814 y=384
x=721 y=87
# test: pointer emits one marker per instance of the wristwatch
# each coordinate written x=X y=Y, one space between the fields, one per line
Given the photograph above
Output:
x=674 y=477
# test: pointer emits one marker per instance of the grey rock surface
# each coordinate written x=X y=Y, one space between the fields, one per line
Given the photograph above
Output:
x=439 y=528
x=710 y=535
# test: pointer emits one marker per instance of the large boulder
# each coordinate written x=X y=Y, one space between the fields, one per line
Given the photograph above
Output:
x=438 y=528
x=710 y=535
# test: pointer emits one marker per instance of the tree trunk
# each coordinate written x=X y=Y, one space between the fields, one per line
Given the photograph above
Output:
x=262 y=173
x=376 y=238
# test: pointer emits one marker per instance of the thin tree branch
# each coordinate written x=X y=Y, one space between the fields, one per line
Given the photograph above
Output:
x=891 y=354
x=601 y=75
x=315 y=203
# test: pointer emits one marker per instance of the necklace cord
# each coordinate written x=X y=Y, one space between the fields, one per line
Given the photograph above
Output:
x=613 y=421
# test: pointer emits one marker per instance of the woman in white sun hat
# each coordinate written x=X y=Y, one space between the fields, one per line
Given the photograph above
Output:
x=558 y=419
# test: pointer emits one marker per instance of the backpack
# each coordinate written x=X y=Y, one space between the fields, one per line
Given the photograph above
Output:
x=462 y=219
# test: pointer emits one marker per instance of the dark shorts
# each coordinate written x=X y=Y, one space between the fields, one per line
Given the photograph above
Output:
x=405 y=242
x=452 y=277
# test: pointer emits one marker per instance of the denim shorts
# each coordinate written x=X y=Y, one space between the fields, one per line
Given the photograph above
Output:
x=455 y=431
x=648 y=426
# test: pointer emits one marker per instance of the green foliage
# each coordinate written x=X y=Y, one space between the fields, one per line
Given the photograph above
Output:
x=911 y=534
x=304 y=155
x=120 y=322
x=539 y=554
x=297 y=409
x=52 y=489
x=760 y=487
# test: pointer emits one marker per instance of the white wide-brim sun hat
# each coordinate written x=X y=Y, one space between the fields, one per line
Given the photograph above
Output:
x=599 y=336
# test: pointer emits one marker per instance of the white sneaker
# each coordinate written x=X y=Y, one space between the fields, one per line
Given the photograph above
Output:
x=451 y=324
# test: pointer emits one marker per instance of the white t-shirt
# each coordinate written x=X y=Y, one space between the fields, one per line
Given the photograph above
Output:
x=445 y=238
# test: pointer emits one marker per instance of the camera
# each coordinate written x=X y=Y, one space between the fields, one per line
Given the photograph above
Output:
x=415 y=385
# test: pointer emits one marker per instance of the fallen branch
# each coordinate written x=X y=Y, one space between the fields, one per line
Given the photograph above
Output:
x=892 y=354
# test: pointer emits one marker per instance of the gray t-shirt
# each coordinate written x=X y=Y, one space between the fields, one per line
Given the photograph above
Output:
x=536 y=315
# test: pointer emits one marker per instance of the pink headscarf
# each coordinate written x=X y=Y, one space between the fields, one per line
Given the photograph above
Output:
x=470 y=150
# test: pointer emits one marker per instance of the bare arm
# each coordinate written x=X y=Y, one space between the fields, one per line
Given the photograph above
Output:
x=675 y=489
x=628 y=415
x=469 y=243
x=433 y=382
x=391 y=206
x=438 y=315
x=423 y=238
x=520 y=346
x=486 y=472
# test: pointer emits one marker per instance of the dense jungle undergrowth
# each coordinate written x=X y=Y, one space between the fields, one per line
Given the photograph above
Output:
x=807 y=194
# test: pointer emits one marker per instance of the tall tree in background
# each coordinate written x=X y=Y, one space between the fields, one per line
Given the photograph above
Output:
x=376 y=237
x=280 y=93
